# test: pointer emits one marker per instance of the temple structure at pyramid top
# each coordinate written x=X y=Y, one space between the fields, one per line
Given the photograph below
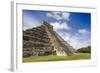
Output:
x=43 y=40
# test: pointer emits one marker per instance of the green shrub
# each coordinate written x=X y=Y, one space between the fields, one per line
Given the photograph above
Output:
x=84 y=50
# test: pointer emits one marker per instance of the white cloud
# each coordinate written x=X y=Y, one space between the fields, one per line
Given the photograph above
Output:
x=77 y=43
x=65 y=15
x=55 y=15
x=83 y=31
x=30 y=22
x=60 y=26
x=59 y=15
x=77 y=40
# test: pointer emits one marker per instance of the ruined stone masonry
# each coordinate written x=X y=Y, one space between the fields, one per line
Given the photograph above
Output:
x=43 y=40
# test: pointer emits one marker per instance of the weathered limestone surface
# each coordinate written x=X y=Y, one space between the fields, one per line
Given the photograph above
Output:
x=43 y=40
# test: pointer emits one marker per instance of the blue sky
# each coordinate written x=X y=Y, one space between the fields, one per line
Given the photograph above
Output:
x=73 y=27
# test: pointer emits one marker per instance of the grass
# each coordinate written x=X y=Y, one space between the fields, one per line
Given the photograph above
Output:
x=55 y=58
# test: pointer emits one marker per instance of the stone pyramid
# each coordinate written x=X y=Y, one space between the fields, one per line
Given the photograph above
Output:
x=43 y=40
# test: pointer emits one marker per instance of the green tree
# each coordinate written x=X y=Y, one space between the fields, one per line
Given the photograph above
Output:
x=85 y=50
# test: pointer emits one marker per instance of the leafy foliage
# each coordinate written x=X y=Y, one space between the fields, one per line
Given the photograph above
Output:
x=85 y=50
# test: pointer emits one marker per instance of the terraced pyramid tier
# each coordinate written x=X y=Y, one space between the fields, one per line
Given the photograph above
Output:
x=43 y=40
